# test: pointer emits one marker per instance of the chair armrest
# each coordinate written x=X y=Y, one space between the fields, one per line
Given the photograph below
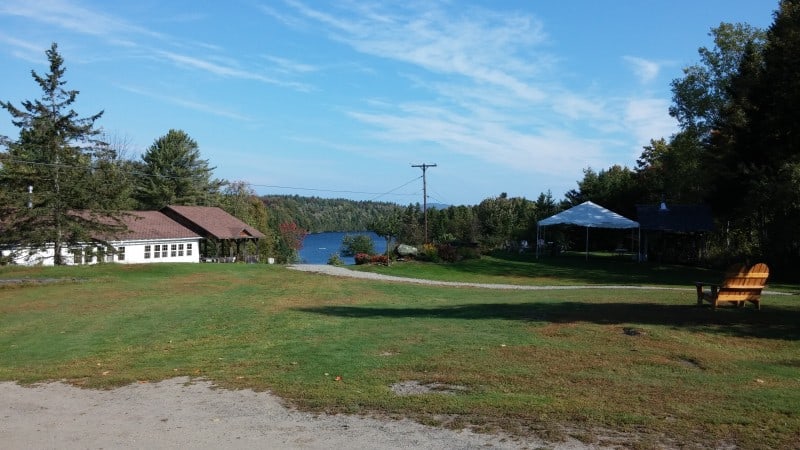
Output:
x=702 y=295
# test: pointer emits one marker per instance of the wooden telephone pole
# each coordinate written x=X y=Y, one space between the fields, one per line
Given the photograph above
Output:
x=424 y=167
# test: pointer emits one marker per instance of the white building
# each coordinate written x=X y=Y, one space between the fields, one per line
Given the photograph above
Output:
x=173 y=234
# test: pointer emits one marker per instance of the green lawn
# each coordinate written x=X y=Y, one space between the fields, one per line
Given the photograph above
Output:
x=641 y=367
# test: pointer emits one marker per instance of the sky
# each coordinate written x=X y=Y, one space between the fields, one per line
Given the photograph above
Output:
x=340 y=99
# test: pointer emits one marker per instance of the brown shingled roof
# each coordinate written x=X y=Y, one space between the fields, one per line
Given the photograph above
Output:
x=151 y=225
x=212 y=222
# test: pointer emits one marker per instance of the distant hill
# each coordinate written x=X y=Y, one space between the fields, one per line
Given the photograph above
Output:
x=318 y=215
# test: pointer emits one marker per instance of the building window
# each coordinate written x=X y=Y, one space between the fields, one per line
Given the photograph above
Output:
x=180 y=249
x=120 y=253
x=146 y=252
x=174 y=250
x=157 y=252
x=77 y=256
x=88 y=254
x=188 y=249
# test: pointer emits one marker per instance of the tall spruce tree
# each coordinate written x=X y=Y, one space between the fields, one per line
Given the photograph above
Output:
x=50 y=174
x=175 y=174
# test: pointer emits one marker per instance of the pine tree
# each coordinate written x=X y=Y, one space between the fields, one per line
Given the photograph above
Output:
x=175 y=174
x=49 y=172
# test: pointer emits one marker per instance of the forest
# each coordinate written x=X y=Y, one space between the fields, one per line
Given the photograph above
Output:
x=737 y=151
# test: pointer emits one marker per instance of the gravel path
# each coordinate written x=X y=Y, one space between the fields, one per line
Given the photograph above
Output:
x=345 y=272
x=184 y=413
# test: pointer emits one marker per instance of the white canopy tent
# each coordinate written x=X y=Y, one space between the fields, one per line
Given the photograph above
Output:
x=588 y=215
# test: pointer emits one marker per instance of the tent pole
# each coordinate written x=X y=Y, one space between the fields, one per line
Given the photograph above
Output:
x=639 y=244
x=587 y=243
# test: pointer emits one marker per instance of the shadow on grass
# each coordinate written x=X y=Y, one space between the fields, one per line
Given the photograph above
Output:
x=769 y=323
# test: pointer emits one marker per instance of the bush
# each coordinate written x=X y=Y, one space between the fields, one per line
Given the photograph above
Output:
x=468 y=253
x=429 y=253
x=379 y=259
x=363 y=258
x=334 y=260
x=353 y=244
x=447 y=253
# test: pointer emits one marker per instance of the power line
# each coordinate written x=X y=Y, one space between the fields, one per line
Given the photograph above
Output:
x=169 y=177
x=398 y=187
x=379 y=194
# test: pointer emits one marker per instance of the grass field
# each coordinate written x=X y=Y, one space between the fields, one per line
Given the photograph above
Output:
x=640 y=367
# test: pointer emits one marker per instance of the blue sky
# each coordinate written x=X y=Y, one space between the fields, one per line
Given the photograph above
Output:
x=340 y=98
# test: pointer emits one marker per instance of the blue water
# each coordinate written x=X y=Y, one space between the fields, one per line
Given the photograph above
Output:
x=318 y=247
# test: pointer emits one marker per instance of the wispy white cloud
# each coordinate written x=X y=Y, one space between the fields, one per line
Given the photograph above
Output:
x=645 y=119
x=484 y=47
x=120 y=33
x=25 y=50
x=289 y=66
x=644 y=69
x=72 y=16
x=228 y=71
x=215 y=110
x=497 y=95
x=546 y=150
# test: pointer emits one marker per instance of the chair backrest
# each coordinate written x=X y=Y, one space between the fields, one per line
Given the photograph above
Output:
x=734 y=271
x=744 y=285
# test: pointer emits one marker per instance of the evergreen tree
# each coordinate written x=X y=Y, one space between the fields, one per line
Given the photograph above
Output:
x=53 y=173
x=175 y=174
x=757 y=147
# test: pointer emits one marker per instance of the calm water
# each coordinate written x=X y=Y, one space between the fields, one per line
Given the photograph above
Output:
x=318 y=247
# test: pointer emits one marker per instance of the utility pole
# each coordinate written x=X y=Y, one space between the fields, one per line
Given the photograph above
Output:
x=424 y=167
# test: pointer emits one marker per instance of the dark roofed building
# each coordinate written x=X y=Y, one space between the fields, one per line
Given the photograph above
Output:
x=674 y=233
x=675 y=218
x=219 y=228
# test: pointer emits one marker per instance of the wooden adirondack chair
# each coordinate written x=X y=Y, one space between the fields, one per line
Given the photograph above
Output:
x=741 y=285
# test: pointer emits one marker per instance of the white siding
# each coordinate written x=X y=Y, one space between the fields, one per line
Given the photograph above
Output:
x=185 y=250
x=169 y=250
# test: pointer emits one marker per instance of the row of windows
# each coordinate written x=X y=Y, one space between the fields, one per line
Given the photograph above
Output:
x=167 y=250
x=87 y=254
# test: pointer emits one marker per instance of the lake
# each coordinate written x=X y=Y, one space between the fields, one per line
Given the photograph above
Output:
x=318 y=247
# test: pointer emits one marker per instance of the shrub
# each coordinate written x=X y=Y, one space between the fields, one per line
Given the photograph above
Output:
x=358 y=243
x=379 y=259
x=468 y=253
x=429 y=253
x=447 y=253
x=363 y=258
x=334 y=260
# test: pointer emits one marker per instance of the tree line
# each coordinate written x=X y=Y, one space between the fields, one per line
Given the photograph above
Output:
x=737 y=150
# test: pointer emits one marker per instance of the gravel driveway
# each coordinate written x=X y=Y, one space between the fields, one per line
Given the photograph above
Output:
x=184 y=413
